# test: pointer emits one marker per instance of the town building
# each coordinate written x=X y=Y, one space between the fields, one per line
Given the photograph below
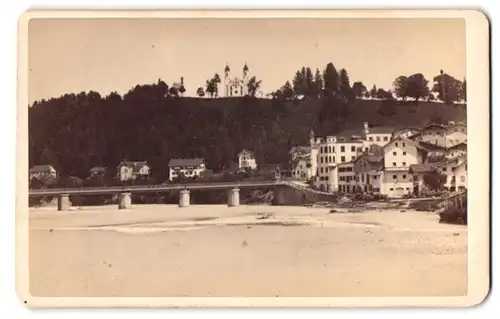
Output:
x=346 y=177
x=456 y=150
x=186 y=168
x=418 y=172
x=300 y=152
x=399 y=155
x=42 y=171
x=378 y=135
x=368 y=173
x=246 y=160
x=433 y=134
x=406 y=132
x=456 y=173
x=456 y=133
x=301 y=168
x=133 y=170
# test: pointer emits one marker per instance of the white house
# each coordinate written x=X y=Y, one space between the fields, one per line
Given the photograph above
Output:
x=451 y=168
x=187 y=167
x=246 y=160
x=433 y=134
x=132 y=170
x=301 y=168
x=39 y=171
x=379 y=135
x=460 y=173
x=399 y=155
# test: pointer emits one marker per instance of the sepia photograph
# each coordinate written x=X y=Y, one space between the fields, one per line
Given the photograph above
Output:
x=253 y=156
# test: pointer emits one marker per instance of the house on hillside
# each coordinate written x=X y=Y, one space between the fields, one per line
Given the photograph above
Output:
x=186 y=167
x=456 y=173
x=456 y=150
x=405 y=132
x=133 y=170
x=399 y=155
x=379 y=135
x=456 y=133
x=246 y=160
x=97 y=171
x=433 y=134
x=299 y=151
x=42 y=171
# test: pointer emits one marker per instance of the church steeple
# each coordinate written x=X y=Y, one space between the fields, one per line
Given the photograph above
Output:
x=227 y=69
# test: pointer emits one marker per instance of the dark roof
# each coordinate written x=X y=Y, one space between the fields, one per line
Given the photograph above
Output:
x=186 y=162
x=451 y=159
x=381 y=130
x=434 y=125
x=134 y=165
x=97 y=169
x=430 y=146
x=246 y=152
x=300 y=149
x=463 y=144
x=41 y=168
x=422 y=168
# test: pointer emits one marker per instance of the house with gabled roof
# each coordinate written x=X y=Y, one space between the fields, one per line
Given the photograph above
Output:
x=132 y=170
x=42 y=171
x=450 y=168
x=186 y=167
x=368 y=172
x=246 y=160
x=456 y=150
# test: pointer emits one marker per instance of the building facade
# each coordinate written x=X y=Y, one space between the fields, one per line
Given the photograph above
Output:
x=132 y=170
x=186 y=168
x=233 y=85
x=450 y=168
x=246 y=160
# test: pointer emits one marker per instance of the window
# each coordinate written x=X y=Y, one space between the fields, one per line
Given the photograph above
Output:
x=396 y=144
x=394 y=153
x=360 y=149
x=348 y=169
x=415 y=178
x=462 y=178
x=444 y=169
x=333 y=149
x=321 y=149
x=342 y=159
x=321 y=169
x=353 y=158
x=342 y=149
x=386 y=138
x=362 y=177
x=404 y=163
x=407 y=188
x=374 y=177
x=391 y=189
x=333 y=159
x=366 y=148
x=342 y=178
x=394 y=176
x=370 y=138
x=404 y=176
x=404 y=144
x=393 y=163
x=378 y=138
x=329 y=149
x=353 y=148
x=326 y=178
x=376 y=189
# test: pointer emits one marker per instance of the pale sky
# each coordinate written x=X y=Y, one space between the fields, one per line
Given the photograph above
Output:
x=105 y=55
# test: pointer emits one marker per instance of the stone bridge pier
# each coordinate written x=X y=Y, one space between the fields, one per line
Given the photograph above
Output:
x=233 y=197
x=125 y=201
x=184 y=198
x=63 y=202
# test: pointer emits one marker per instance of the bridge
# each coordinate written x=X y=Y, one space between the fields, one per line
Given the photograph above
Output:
x=126 y=191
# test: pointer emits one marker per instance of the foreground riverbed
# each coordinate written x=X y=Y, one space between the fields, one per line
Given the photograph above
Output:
x=248 y=251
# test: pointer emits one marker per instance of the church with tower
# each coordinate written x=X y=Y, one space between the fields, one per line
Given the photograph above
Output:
x=233 y=85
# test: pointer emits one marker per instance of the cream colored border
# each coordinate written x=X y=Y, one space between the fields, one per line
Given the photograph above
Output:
x=477 y=34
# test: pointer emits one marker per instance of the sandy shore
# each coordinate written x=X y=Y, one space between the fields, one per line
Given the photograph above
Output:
x=260 y=251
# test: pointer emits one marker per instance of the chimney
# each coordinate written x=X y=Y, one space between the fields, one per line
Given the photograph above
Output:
x=367 y=129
